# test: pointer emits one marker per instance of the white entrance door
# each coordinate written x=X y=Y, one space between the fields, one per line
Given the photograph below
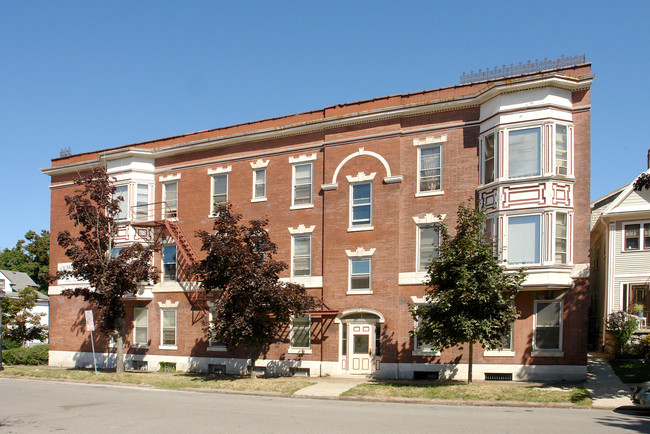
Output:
x=361 y=348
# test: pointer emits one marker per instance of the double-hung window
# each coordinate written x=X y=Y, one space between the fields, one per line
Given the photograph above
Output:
x=122 y=191
x=361 y=205
x=142 y=202
x=302 y=184
x=428 y=243
x=430 y=169
x=259 y=184
x=548 y=325
x=561 y=150
x=169 y=262
x=524 y=239
x=488 y=159
x=170 y=199
x=360 y=274
x=561 y=236
x=637 y=236
x=219 y=191
x=300 y=332
x=140 y=326
x=524 y=153
x=214 y=344
x=168 y=327
x=301 y=263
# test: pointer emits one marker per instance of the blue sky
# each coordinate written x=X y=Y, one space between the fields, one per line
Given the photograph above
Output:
x=93 y=75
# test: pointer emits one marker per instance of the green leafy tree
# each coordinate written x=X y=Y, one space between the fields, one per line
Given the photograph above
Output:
x=251 y=306
x=93 y=209
x=19 y=323
x=622 y=327
x=31 y=256
x=470 y=296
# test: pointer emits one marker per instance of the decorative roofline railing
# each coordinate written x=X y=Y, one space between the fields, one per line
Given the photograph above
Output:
x=521 y=69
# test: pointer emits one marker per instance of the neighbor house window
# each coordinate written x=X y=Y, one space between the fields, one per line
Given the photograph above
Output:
x=361 y=206
x=302 y=184
x=301 y=255
x=632 y=237
x=259 y=184
x=524 y=153
x=488 y=159
x=219 y=191
x=140 y=325
x=170 y=197
x=561 y=150
x=300 y=331
x=524 y=239
x=561 y=238
x=360 y=274
x=122 y=191
x=646 y=236
x=169 y=262
x=168 y=329
x=142 y=201
x=428 y=243
x=548 y=325
x=430 y=170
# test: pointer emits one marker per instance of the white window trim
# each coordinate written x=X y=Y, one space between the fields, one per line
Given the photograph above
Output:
x=417 y=245
x=367 y=227
x=299 y=350
x=211 y=347
x=505 y=352
x=506 y=243
x=164 y=194
x=169 y=346
x=441 y=190
x=298 y=162
x=260 y=198
x=567 y=260
x=360 y=252
x=259 y=164
x=138 y=344
x=550 y=352
x=169 y=178
x=126 y=202
x=642 y=246
x=212 y=176
x=569 y=149
x=482 y=158
x=506 y=147
x=302 y=229
x=220 y=170
x=293 y=242
x=351 y=258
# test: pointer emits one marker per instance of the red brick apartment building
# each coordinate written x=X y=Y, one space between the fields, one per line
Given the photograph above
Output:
x=351 y=192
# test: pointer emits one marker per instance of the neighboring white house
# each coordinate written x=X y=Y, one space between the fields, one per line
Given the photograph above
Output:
x=620 y=255
x=12 y=282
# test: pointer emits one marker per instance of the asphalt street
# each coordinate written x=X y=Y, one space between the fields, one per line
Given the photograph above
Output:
x=44 y=406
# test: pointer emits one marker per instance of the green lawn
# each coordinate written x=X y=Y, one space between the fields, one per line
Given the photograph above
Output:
x=631 y=372
x=473 y=392
x=162 y=380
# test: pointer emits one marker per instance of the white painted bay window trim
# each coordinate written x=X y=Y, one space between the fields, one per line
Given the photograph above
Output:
x=544 y=322
x=122 y=191
x=524 y=239
x=489 y=158
x=562 y=149
x=524 y=152
x=561 y=238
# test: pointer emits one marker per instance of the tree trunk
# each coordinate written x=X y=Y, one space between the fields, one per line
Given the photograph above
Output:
x=119 y=342
x=471 y=360
x=254 y=355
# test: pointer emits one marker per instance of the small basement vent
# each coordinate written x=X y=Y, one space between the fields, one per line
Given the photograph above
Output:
x=217 y=369
x=139 y=365
x=498 y=377
x=426 y=375
x=300 y=372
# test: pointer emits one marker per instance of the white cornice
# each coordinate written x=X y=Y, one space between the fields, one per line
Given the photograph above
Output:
x=551 y=79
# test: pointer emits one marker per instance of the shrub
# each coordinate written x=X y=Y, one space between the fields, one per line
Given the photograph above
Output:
x=621 y=326
x=9 y=344
x=36 y=355
x=644 y=348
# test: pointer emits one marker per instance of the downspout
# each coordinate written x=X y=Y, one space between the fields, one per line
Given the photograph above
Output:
x=322 y=264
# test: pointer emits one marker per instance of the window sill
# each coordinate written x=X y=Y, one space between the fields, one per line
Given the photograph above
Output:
x=547 y=353
x=167 y=347
x=360 y=292
x=306 y=206
x=361 y=228
x=426 y=353
x=299 y=351
x=220 y=348
x=429 y=193
x=258 y=199
x=498 y=353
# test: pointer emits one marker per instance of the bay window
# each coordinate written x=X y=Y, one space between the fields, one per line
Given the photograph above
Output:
x=561 y=238
x=122 y=191
x=524 y=153
x=524 y=239
x=488 y=159
x=561 y=150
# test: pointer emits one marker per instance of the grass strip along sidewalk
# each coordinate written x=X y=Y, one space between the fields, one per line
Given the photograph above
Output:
x=474 y=392
x=493 y=392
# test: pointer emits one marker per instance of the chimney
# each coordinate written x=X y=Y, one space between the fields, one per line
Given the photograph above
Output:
x=648 y=158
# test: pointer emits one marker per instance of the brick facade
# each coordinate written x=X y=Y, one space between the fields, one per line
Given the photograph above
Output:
x=376 y=139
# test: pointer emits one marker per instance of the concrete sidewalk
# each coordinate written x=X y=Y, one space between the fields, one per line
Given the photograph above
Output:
x=330 y=387
x=606 y=389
